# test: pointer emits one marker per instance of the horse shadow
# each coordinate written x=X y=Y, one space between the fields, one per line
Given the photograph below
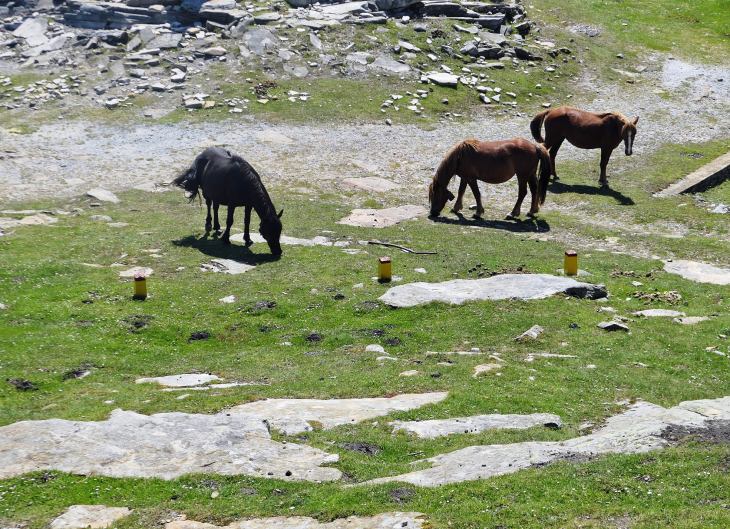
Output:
x=526 y=225
x=210 y=244
x=560 y=188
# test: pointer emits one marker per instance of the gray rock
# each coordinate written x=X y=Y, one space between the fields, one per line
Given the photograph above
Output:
x=133 y=44
x=359 y=57
x=83 y=516
x=103 y=218
x=31 y=27
x=299 y=3
x=146 y=34
x=165 y=445
x=191 y=6
x=166 y=41
x=349 y=8
x=470 y=48
x=478 y=423
x=180 y=381
x=388 y=64
x=691 y=320
x=239 y=29
x=378 y=521
x=315 y=41
x=292 y=416
x=266 y=18
x=443 y=79
x=259 y=40
x=228 y=266
x=612 y=326
x=698 y=272
x=409 y=47
x=505 y=286
x=390 y=5
x=533 y=333
x=297 y=71
x=102 y=194
x=292 y=241
x=218 y=4
x=638 y=430
x=659 y=313
x=382 y=218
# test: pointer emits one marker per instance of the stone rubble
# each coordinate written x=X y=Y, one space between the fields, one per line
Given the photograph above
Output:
x=638 y=430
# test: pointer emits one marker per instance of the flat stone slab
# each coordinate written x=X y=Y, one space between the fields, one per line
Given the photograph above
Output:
x=180 y=381
x=388 y=520
x=94 y=516
x=389 y=64
x=290 y=241
x=698 y=272
x=478 y=423
x=291 y=416
x=228 y=266
x=103 y=195
x=164 y=445
x=638 y=430
x=368 y=183
x=505 y=286
x=444 y=79
x=131 y=272
x=691 y=320
x=659 y=313
x=703 y=178
x=382 y=218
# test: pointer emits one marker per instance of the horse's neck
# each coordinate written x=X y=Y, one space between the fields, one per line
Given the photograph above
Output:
x=262 y=204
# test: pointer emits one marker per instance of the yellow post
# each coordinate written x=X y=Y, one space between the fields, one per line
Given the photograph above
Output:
x=571 y=263
x=384 y=270
x=140 y=287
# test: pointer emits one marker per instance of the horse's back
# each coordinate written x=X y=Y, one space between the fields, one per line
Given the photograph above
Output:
x=230 y=180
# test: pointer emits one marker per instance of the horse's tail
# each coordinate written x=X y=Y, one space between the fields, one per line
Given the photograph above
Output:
x=450 y=164
x=189 y=180
x=536 y=126
x=545 y=170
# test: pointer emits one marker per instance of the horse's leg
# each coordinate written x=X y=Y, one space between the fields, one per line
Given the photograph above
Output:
x=216 y=224
x=605 y=155
x=474 y=185
x=553 y=153
x=208 y=219
x=247 y=221
x=521 y=194
x=535 y=207
x=458 y=204
x=229 y=222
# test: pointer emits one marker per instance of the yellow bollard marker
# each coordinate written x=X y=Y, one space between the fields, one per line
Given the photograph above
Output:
x=384 y=270
x=570 y=266
x=140 y=287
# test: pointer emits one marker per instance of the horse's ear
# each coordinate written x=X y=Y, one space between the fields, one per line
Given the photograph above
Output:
x=636 y=120
x=280 y=213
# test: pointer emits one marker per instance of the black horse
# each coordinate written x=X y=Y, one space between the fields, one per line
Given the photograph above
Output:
x=227 y=179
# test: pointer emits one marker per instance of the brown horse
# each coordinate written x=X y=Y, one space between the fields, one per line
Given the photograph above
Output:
x=585 y=130
x=493 y=162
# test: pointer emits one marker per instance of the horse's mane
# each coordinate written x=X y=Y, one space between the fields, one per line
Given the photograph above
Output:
x=447 y=167
x=625 y=122
x=257 y=187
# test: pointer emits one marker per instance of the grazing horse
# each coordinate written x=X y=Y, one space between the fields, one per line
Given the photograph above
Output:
x=585 y=130
x=493 y=162
x=227 y=179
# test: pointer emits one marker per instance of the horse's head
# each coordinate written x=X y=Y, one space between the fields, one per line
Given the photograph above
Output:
x=438 y=195
x=270 y=230
x=628 y=133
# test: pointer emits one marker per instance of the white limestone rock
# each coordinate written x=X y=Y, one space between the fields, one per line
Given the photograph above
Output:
x=389 y=520
x=180 y=381
x=698 y=272
x=478 y=423
x=103 y=195
x=93 y=516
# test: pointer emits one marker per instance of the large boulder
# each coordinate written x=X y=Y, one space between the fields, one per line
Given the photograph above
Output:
x=259 y=40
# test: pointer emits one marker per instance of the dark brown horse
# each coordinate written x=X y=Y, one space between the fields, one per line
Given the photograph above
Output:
x=227 y=179
x=585 y=130
x=493 y=162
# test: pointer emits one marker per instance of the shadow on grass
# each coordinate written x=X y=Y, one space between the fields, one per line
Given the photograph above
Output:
x=515 y=225
x=210 y=244
x=560 y=188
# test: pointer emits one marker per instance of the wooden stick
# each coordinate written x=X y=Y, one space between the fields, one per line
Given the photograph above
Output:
x=403 y=248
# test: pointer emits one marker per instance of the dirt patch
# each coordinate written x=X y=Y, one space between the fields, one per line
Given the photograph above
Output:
x=210 y=484
x=262 y=89
x=140 y=321
x=22 y=384
x=358 y=447
x=248 y=491
x=402 y=495
x=394 y=341
x=314 y=337
x=375 y=333
x=671 y=296
x=79 y=372
x=716 y=432
x=198 y=335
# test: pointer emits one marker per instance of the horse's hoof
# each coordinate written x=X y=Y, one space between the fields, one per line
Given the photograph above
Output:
x=604 y=185
x=226 y=242
x=556 y=177
x=249 y=243
x=532 y=215
x=208 y=228
x=510 y=217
